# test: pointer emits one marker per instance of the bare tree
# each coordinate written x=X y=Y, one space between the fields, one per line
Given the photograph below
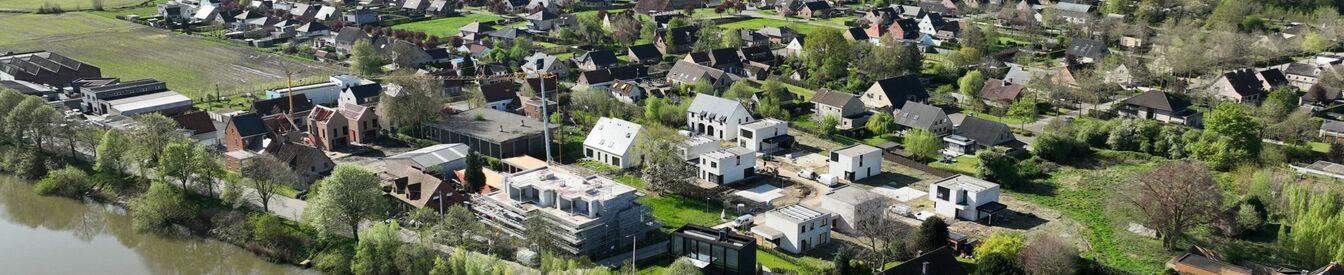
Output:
x=884 y=237
x=268 y=175
x=1176 y=196
x=1046 y=254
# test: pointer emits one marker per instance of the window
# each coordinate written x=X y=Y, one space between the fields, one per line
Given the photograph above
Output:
x=713 y=164
x=731 y=257
x=745 y=133
x=944 y=193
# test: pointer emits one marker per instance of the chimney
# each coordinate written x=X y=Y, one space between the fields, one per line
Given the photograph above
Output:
x=501 y=128
x=925 y=270
x=523 y=122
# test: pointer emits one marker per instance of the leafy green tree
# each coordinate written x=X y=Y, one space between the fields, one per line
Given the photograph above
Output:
x=153 y=132
x=1314 y=219
x=682 y=266
x=828 y=123
x=663 y=168
x=998 y=264
x=1316 y=42
x=473 y=175
x=347 y=197
x=207 y=167
x=1001 y=242
x=997 y=167
x=708 y=37
x=21 y=119
x=410 y=258
x=1227 y=14
x=740 y=91
x=111 y=153
x=826 y=47
x=66 y=182
x=970 y=84
x=931 y=235
x=1059 y=147
x=1230 y=136
x=880 y=124
x=923 y=144
x=177 y=161
x=364 y=59
x=1024 y=109
x=266 y=228
x=649 y=32
x=456 y=227
x=159 y=207
x=268 y=175
x=377 y=249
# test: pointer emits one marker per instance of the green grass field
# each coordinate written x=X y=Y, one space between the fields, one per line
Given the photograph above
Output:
x=675 y=210
x=32 y=5
x=190 y=65
x=757 y=23
x=964 y=165
x=447 y=26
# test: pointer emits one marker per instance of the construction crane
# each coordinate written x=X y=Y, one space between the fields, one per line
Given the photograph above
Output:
x=524 y=76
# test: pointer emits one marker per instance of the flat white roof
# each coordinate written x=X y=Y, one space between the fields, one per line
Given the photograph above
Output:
x=857 y=150
x=569 y=185
x=165 y=99
x=728 y=153
x=762 y=123
x=967 y=183
x=797 y=213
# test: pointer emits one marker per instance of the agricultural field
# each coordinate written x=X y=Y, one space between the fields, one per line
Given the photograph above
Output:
x=757 y=23
x=33 y=5
x=191 y=65
x=446 y=27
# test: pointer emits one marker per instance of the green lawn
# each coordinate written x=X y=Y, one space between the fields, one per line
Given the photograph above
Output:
x=190 y=65
x=757 y=23
x=676 y=210
x=773 y=262
x=447 y=26
x=33 y=5
x=964 y=165
x=1319 y=146
x=1011 y=121
x=632 y=181
x=1082 y=195
x=841 y=20
x=805 y=92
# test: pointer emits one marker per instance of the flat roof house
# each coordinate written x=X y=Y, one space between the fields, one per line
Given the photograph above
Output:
x=765 y=135
x=965 y=197
x=592 y=214
x=132 y=98
x=694 y=146
x=855 y=162
x=727 y=166
x=612 y=142
x=716 y=117
x=794 y=228
x=849 y=206
x=494 y=133
x=716 y=251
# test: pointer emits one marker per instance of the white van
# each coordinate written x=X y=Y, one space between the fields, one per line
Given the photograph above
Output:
x=807 y=174
x=828 y=180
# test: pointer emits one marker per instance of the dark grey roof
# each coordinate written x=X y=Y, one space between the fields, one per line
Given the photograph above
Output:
x=857 y=33
x=438 y=53
x=281 y=105
x=1159 y=100
x=248 y=124
x=1303 y=69
x=982 y=131
x=901 y=88
x=348 y=35
x=685 y=71
x=1090 y=48
x=1245 y=82
x=498 y=91
x=918 y=115
x=832 y=98
x=600 y=57
x=313 y=27
x=490 y=125
x=508 y=33
x=940 y=261
x=544 y=14
x=1331 y=125
x=366 y=90
x=646 y=52
x=817 y=5
x=1274 y=77
x=683 y=35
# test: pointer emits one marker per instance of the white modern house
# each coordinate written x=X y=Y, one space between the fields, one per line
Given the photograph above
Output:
x=612 y=141
x=695 y=146
x=442 y=158
x=965 y=197
x=794 y=228
x=856 y=162
x=764 y=135
x=850 y=205
x=716 y=117
x=727 y=166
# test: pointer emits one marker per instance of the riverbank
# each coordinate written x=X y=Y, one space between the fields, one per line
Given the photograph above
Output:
x=44 y=235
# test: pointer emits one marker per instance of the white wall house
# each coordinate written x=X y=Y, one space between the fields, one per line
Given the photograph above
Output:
x=727 y=166
x=695 y=146
x=612 y=142
x=794 y=228
x=325 y=93
x=851 y=205
x=715 y=117
x=963 y=196
x=856 y=162
x=764 y=136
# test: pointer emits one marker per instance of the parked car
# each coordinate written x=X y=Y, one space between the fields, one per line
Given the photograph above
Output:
x=742 y=221
x=807 y=174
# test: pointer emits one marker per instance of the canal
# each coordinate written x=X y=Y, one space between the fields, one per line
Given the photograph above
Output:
x=53 y=235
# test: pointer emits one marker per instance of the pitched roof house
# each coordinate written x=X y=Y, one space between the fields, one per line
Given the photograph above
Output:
x=594 y=60
x=915 y=115
x=1083 y=50
x=645 y=54
x=716 y=117
x=892 y=93
x=843 y=106
x=654 y=6
x=1161 y=106
x=612 y=142
x=685 y=72
x=603 y=77
x=984 y=132
x=1000 y=93
x=1246 y=85
x=681 y=39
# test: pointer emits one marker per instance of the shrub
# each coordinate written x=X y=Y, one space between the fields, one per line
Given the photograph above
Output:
x=67 y=182
x=159 y=207
x=266 y=228
x=334 y=261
